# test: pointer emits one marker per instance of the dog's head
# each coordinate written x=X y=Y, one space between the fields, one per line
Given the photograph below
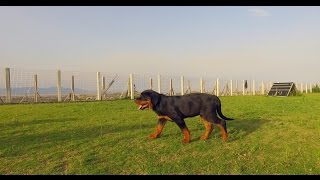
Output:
x=147 y=99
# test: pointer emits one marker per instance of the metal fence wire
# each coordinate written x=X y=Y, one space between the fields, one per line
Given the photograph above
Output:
x=34 y=85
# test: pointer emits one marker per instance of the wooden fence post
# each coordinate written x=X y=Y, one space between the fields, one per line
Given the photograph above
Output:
x=201 y=85
x=182 y=85
x=131 y=87
x=243 y=88
x=253 y=87
x=98 y=86
x=159 y=84
x=306 y=88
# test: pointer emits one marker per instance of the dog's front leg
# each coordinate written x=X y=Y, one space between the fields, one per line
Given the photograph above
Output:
x=182 y=125
x=159 y=128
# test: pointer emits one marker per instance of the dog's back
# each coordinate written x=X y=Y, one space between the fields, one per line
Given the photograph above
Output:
x=194 y=104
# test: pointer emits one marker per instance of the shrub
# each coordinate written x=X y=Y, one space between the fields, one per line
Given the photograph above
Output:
x=316 y=89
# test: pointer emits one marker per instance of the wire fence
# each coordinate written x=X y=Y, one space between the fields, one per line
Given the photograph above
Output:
x=29 y=86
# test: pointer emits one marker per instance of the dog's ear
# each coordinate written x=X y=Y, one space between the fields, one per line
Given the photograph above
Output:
x=155 y=97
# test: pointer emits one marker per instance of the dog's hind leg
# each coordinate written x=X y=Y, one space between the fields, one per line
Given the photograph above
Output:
x=209 y=128
x=213 y=118
x=223 y=127
x=159 y=128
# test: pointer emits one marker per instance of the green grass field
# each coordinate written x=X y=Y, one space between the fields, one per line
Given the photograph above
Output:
x=270 y=135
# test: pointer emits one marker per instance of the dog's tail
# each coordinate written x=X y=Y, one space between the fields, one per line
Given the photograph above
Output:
x=220 y=113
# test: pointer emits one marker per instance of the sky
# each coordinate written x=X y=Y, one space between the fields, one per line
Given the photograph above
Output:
x=232 y=42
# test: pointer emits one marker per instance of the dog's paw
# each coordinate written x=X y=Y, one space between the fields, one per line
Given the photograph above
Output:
x=224 y=138
x=186 y=141
x=204 y=137
x=153 y=136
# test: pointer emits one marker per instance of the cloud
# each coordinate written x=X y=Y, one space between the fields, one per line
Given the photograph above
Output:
x=258 y=12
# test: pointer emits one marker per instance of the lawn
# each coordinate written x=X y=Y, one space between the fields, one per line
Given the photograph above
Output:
x=270 y=135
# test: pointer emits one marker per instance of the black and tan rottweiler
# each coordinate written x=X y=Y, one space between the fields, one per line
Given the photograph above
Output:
x=176 y=108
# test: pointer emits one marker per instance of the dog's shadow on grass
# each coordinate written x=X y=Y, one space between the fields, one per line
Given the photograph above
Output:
x=240 y=128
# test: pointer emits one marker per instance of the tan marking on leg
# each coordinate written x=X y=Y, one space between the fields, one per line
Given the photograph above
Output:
x=223 y=132
x=158 y=131
x=186 y=133
x=209 y=128
x=165 y=117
